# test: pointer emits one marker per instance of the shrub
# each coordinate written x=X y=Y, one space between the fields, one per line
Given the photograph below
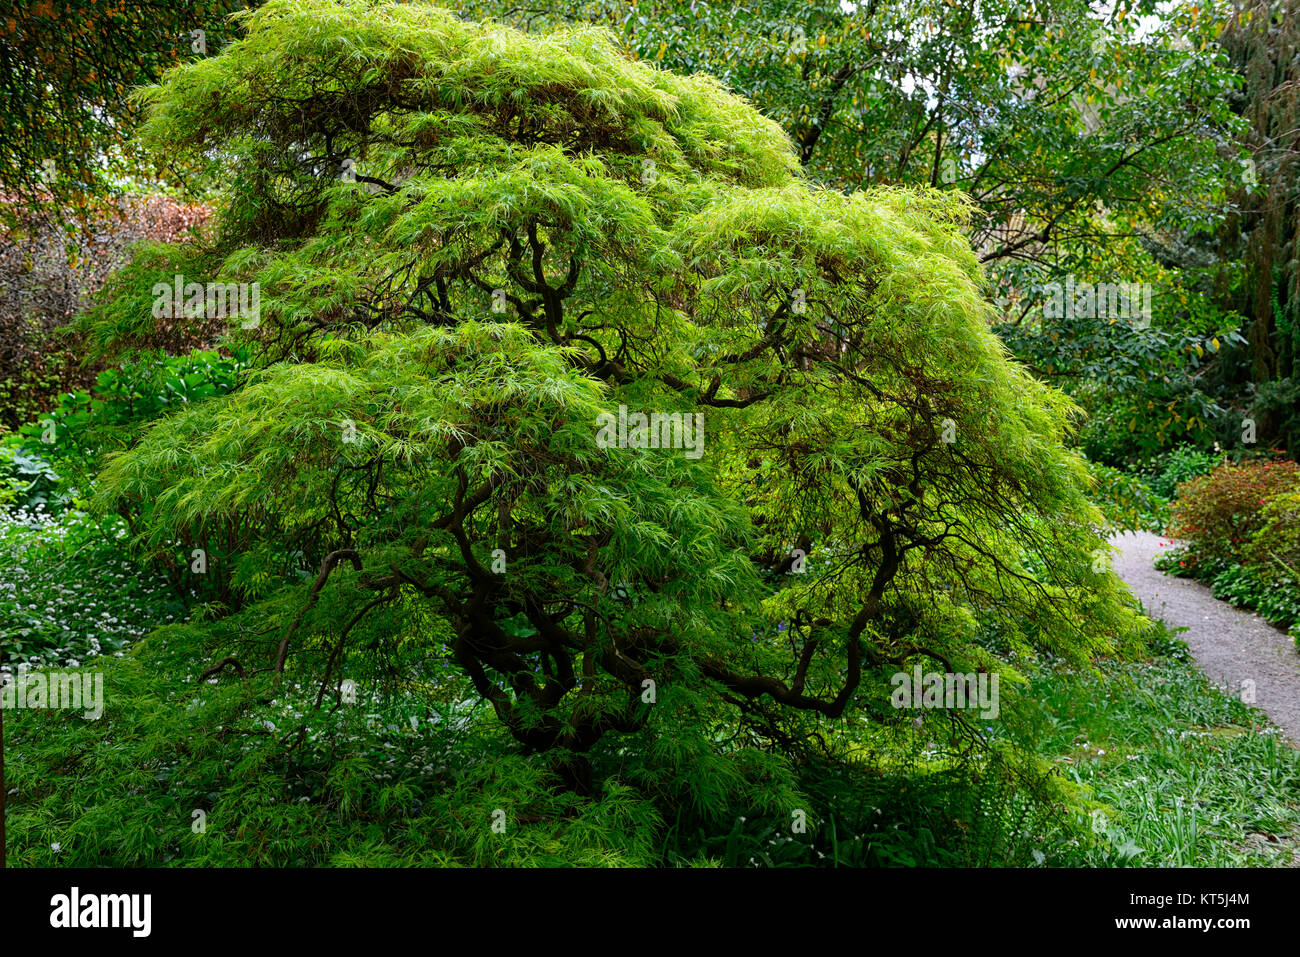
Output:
x=1183 y=463
x=69 y=439
x=48 y=272
x=431 y=406
x=1127 y=500
x=1274 y=594
x=1216 y=514
x=1238 y=584
x=29 y=386
x=1275 y=548
x=27 y=481
x=357 y=793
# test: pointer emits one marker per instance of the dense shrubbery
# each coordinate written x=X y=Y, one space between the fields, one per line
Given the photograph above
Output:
x=1275 y=548
x=417 y=776
x=49 y=269
x=397 y=436
x=28 y=482
x=1171 y=469
x=1127 y=500
x=1274 y=595
x=1140 y=500
x=1239 y=530
x=71 y=588
x=46 y=461
x=1216 y=514
x=354 y=472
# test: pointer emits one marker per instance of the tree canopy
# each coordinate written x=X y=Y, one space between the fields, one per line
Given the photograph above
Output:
x=472 y=246
x=1095 y=140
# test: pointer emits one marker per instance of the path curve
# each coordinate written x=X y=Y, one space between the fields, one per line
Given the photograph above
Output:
x=1230 y=645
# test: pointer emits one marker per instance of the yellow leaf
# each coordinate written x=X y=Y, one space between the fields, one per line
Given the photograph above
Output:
x=662 y=47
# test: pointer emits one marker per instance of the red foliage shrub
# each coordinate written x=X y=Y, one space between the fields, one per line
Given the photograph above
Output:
x=48 y=272
x=1217 y=514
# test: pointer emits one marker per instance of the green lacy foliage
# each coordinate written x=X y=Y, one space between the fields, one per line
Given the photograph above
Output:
x=470 y=245
x=989 y=813
x=1031 y=165
x=360 y=792
x=1216 y=515
x=420 y=778
x=817 y=68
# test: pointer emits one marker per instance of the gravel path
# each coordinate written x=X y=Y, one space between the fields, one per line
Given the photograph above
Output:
x=1230 y=645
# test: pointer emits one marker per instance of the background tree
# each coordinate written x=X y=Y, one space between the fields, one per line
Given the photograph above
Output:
x=69 y=68
x=1046 y=114
x=1254 y=252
